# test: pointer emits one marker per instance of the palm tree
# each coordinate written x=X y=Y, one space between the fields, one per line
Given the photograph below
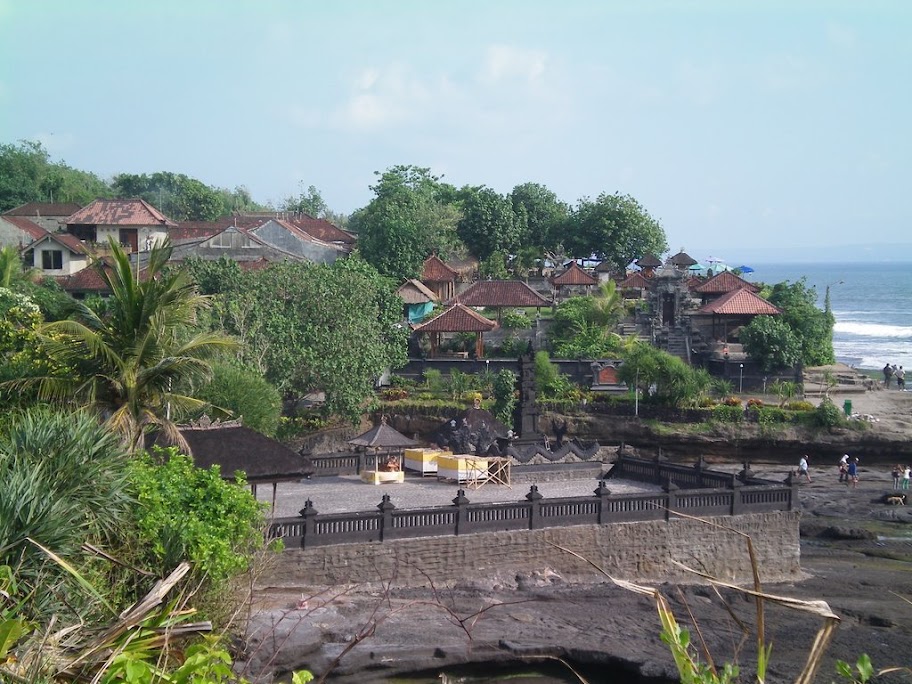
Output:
x=127 y=362
x=12 y=270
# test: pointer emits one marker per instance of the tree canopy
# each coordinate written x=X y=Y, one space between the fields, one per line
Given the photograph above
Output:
x=539 y=216
x=488 y=224
x=813 y=327
x=615 y=228
x=181 y=197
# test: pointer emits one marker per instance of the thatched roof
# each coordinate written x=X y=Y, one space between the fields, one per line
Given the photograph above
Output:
x=382 y=436
x=234 y=447
x=574 y=275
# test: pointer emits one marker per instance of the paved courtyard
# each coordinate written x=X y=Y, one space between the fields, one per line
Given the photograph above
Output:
x=348 y=493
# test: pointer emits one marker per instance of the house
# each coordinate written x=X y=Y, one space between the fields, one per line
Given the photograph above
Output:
x=500 y=294
x=417 y=299
x=48 y=215
x=291 y=238
x=440 y=278
x=133 y=223
x=573 y=277
x=19 y=232
x=57 y=254
x=457 y=319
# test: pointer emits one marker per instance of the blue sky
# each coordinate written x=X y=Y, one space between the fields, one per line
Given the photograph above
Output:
x=738 y=125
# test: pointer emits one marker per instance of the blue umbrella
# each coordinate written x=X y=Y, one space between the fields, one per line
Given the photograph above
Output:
x=745 y=269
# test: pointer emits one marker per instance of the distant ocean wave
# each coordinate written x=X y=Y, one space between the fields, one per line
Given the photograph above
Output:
x=873 y=329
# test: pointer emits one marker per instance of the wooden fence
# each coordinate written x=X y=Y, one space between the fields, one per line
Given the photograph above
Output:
x=708 y=493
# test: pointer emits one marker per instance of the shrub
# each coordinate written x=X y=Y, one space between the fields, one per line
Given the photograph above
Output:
x=504 y=396
x=395 y=394
x=754 y=403
x=433 y=378
x=515 y=319
x=769 y=415
x=827 y=414
x=513 y=347
x=400 y=381
x=185 y=513
x=732 y=401
x=800 y=405
x=727 y=413
x=244 y=393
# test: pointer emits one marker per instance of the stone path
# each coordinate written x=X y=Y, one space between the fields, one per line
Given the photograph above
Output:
x=349 y=493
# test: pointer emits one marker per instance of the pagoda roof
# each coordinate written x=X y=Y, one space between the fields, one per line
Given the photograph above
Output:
x=682 y=260
x=500 y=293
x=574 y=275
x=740 y=302
x=415 y=292
x=458 y=318
x=634 y=280
x=723 y=282
x=648 y=261
x=435 y=270
x=382 y=436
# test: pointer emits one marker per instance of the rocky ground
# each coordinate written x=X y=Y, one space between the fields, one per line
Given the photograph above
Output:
x=856 y=556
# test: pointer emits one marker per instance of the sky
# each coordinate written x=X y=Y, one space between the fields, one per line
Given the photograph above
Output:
x=740 y=126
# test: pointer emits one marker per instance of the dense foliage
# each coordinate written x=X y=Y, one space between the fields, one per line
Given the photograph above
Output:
x=310 y=328
x=127 y=362
x=812 y=326
x=771 y=343
x=243 y=393
x=583 y=326
x=661 y=377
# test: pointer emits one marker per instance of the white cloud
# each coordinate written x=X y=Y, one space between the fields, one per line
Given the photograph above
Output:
x=506 y=62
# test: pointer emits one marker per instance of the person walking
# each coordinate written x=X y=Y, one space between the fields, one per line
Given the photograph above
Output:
x=900 y=375
x=844 y=468
x=907 y=473
x=853 y=472
x=897 y=476
x=803 y=468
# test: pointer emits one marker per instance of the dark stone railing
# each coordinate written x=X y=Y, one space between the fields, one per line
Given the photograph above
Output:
x=708 y=493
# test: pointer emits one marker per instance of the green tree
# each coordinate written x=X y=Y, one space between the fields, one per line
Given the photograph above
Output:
x=487 y=224
x=126 y=364
x=812 y=326
x=175 y=194
x=539 y=216
x=408 y=220
x=308 y=201
x=243 y=393
x=583 y=326
x=674 y=382
x=615 y=228
x=504 y=390
x=771 y=342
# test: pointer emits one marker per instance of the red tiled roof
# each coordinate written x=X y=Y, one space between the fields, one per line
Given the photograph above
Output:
x=682 y=259
x=321 y=229
x=435 y=271
x=198 y=230
x=87 y=280
x=500 y=293
x=119 y=212
x=574 y=275
x=32 y=229
x=725 y=282
x=693 y=282
x=458 y=318
x=649 y=260
x=66 y=239
x=636 y=280
x=415 y=292
x=741 y=302
x=48 y=209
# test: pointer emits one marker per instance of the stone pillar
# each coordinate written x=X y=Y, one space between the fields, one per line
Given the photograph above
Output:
x=602 y=492
x=534 y=497
x=671 y=497
x=308 y=513
x=386 y=508
x=462 y=521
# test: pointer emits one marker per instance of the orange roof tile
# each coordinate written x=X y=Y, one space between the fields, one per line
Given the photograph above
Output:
x=435 y=271
x=87 y=280
x=69 y=241
x=500 y=293
x=726 y=281
x=741 y=302
x=458 y=318
x=321 y=229
x=119 y=212
x=635 y=280
x=574 y=275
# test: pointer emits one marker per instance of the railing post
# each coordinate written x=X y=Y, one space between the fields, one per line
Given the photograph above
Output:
x=602 y=492
x=792 y=482
x=308 y=513
x=671 y=497
x=463 y=526
x=534 y=497
x=737 y=500
x=386 y=519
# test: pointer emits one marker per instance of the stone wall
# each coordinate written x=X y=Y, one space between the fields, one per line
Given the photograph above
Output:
x=633 y=551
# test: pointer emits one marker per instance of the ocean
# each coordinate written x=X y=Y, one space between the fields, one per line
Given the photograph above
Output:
x=871 y=302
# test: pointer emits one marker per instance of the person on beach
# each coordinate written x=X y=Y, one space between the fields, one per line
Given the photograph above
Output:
x=888 y=373
x=897 y=475
x=803 y=468
x=844 y=468
x=853 y=472
x=907 y=473
x=900 y=378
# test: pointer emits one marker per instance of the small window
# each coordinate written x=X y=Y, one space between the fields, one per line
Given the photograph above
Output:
x=52 y=259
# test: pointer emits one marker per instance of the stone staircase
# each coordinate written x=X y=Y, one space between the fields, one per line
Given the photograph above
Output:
x=673 y=341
